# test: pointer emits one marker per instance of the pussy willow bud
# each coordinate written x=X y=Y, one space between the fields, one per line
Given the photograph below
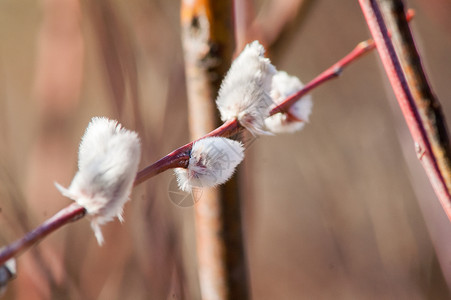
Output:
x=212 y=162
x=244 y=92
x=7 y=273
x=108 y=160
x=284 y=85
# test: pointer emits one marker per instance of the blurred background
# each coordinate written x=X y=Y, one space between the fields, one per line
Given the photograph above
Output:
x=340 y=210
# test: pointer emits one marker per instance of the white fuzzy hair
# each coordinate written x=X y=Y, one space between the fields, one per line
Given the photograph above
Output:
x=108 y=161
x=212 y=162
x=283 y=86
x=244 y=92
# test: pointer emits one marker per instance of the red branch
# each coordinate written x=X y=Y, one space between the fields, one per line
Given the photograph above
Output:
x=332 y=72
x=177 y=158
x=405 y=99
x=67 y=215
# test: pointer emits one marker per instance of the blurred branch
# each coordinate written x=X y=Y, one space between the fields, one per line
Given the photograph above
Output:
x=208 y=42
x=273 y=23
x=119 y=60
x=415 y=117
x=244 y=12
x=112 y=49
x=57 y=81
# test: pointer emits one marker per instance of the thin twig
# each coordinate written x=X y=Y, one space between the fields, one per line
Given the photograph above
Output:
x=406 y=101
x=332 y=72
x=177 y=158
x=67 y=215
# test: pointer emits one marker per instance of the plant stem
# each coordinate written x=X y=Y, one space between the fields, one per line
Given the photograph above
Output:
x=406 y=101
x=331 y=73
x=425 y=99
x=177 y=158
x=68 y=214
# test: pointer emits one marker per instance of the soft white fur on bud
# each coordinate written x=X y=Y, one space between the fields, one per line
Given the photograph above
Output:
x=283 y=86
x=212 y=162
x=244 y=92
x=7 y=273
x=108 y=160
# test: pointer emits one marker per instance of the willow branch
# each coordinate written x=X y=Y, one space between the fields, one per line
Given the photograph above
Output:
x=179 y=157
x=332 y=72
x=425 y=99
x=67 y=215
x=406 y=101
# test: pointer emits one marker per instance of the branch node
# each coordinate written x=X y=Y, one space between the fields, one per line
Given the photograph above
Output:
x=419 y=151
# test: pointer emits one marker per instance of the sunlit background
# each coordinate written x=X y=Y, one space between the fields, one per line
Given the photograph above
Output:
x=340 y=210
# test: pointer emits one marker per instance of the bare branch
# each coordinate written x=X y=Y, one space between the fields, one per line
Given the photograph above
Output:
x=406 y=101
x=67 y=215
x=177 y=158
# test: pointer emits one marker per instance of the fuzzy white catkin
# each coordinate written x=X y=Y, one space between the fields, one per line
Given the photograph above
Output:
x=244 y=92
x=7 y=273
x=212 y=162
x=108 y=160
x=283 y=86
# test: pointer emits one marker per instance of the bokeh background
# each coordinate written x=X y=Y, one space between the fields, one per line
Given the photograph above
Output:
x=340 y=210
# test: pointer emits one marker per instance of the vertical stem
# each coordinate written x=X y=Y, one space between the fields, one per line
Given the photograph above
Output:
x=425 y=99
x=208 y=42
x=244 y=12
x=432 y=117
x=406 y=101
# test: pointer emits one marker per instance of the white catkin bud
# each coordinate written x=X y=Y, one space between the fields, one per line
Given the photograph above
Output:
x=7 y=273
x=212 y=162
x=108 y=161
x=283 y=86
x=244 y=92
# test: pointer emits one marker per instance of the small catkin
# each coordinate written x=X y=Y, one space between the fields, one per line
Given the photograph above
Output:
x=212 y=162
x=108 y=161
x=244 y=92
x=7 y=273
x=283 y=86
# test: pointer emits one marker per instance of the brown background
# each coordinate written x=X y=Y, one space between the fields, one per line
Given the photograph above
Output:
x=332 y=212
